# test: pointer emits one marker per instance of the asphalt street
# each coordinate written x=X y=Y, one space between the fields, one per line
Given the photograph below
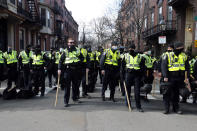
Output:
x=39 y=114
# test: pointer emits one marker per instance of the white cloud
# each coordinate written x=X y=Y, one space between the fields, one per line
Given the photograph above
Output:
x=86 y=10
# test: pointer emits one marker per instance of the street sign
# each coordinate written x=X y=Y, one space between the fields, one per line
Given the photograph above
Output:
x=195 y=18
x=162 y=39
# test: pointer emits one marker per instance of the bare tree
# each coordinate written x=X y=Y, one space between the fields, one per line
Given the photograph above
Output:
x=138 y=10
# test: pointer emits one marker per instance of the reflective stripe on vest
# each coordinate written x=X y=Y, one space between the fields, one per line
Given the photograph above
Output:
x=1 y=57
x=25 y=58
x=11 y=58
x=148 y=61
x=177 y=63
x=132 y=62
x=91 y=55
x=72 y=57
x=37 y=60
x=57 y=57
x=98 y=55
x=112 y=58
x=191 y=63
x=84 y=53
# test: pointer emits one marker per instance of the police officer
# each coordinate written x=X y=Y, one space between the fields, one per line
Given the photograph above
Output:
x=38 y=63
x=11 y=58
x=57 y=59
x=84 y=69
x=98 y=58
x=51 y=71
x=173 y=67
x=110 y=66
x=92 y=68
x=70 y=64
x=133 y=63
x=193 y=77
x=122 y=72
x=24 y=66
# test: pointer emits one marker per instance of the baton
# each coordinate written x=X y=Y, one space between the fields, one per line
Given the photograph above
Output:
x=86 y=77
x=128 y=101
x=187 y=82
x=58 y=86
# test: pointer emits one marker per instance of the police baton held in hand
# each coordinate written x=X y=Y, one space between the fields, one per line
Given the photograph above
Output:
x=128 y=100
x=187 y=82
x=58 y=86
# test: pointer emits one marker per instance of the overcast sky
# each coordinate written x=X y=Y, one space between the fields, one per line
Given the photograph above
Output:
x=86 y=10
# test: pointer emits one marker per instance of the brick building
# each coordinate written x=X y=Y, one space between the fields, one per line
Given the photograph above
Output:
x=37 y=22
x=187 y=22
x=157 y=18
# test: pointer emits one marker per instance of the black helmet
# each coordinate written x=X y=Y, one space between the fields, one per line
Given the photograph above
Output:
x=147 y=88
x=164 y=87
x=184 y=92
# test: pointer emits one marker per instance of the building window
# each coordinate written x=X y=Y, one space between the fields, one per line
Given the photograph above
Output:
x=13 y=1
x=145 y=23
x=21 y=39
x=152 y=19
x=43 y=16
x=160 y=14
x=48 y=18
x=170 y=13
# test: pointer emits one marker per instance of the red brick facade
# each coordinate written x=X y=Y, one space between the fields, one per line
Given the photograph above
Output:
x=21 y=26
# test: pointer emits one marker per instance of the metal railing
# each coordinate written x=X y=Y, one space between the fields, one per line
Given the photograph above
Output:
x=168 y=25
x=24 y=12
x=3 y=3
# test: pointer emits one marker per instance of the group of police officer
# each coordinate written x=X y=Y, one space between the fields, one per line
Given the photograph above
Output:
x=115 y=66
x=28 y=71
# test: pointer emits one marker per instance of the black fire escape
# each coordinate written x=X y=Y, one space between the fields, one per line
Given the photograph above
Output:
x=33 y=10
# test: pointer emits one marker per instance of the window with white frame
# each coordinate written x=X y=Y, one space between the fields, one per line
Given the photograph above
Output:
x=48 y=18
x=152 y=19
x=145 y=23
x=160 y=14
x=21 y=39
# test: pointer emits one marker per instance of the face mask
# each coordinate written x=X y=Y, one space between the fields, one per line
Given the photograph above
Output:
x=178 y=51
x=149 y=53
x=114 y=47
x=131 y=52
x=169 y=50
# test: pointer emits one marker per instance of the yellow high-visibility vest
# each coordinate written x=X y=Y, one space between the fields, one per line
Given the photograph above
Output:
x=11 y=58
x=133 y=62
x=37 y=59
x=25 y=57
x=112 y=58
x=84 y=53
x=177 y=63
x=1 y=57
x=72 y=57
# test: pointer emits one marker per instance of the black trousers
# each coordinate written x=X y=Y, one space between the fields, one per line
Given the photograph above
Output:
x=12 y=75
x=172 y=95
x=52 y=72
x=39 y=80
x=130 y=80
x=84 y=86
x=71 y=77
x=121 y=82
x=148 y=77
x=25 y=79
x=110 y=79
